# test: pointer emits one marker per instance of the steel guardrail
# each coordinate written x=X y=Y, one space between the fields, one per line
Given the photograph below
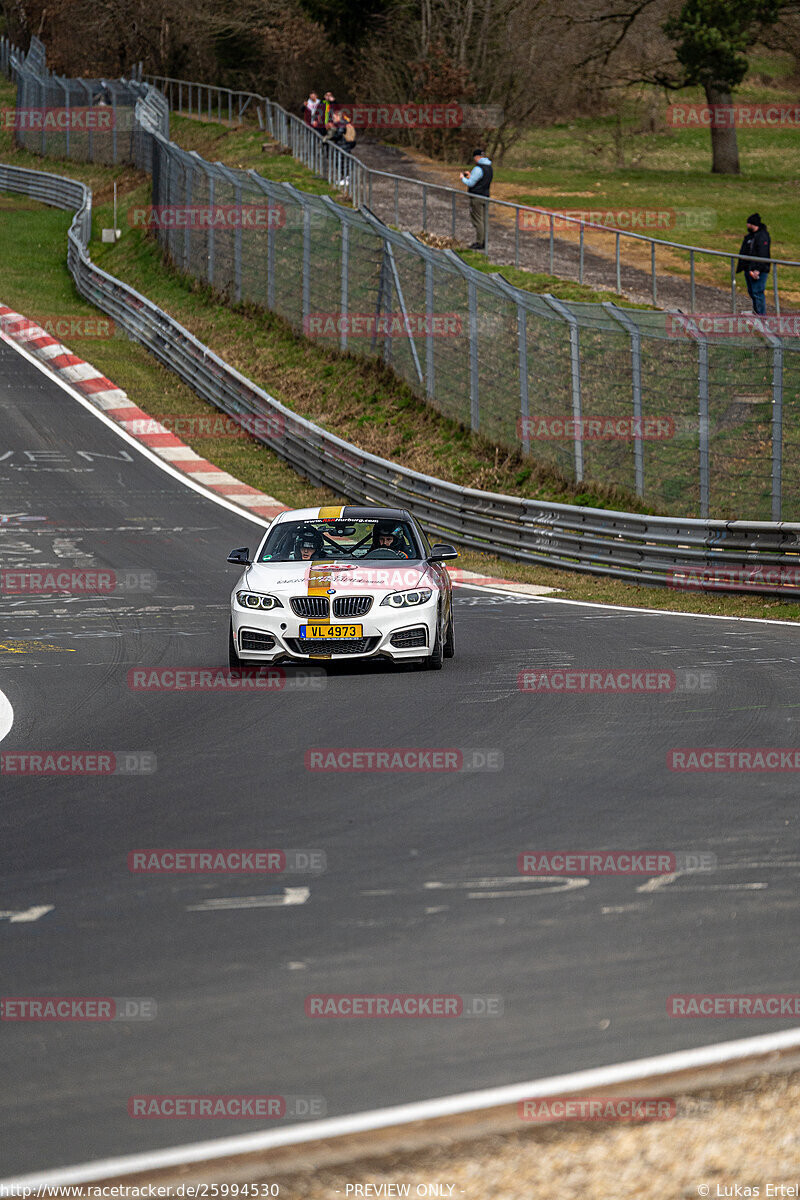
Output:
x=761 y=557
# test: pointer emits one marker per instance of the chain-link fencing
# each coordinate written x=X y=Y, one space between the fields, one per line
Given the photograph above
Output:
x=694 y=422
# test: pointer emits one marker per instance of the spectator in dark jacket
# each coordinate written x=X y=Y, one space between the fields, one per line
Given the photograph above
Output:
x=334 y=131
x=478 y=182
x=756 y=242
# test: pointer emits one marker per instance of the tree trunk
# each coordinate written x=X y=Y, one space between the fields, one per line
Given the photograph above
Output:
x=724 y=147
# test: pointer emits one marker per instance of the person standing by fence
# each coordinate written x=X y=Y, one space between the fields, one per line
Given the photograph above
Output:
x=478 y=181
x=310 y=108
x=756 y=242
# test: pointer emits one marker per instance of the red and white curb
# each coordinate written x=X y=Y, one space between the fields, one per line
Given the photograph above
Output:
x=473 y=579
x=115 y=403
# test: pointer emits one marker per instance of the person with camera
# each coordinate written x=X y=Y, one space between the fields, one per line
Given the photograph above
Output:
x=478 y=181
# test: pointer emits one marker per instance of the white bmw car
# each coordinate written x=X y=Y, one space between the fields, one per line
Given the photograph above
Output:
x=343 y=582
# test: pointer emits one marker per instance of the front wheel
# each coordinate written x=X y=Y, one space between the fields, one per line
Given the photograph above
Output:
x=450 y=638
x=234 y=662
x=436 y=658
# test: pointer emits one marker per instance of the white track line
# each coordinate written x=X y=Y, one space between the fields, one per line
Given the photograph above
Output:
x=186 y=480
x=404 y=1114
x=6 y=715
x=655 y=612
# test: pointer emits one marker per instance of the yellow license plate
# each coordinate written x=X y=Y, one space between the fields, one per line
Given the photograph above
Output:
x=331 y=631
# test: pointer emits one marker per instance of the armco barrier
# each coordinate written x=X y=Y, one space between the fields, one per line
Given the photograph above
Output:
x=737 y=555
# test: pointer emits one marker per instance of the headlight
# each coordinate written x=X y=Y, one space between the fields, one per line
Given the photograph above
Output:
x=253 y=600
x=407 y=599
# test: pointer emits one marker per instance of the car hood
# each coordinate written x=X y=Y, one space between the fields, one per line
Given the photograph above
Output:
x=301 y=579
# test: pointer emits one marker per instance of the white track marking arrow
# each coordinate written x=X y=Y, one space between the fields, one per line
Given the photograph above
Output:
x=289 y=895
x=25 y=914
x=521 y=885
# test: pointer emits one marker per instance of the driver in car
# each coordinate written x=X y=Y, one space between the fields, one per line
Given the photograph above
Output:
x=386 y=536
x=308 y=545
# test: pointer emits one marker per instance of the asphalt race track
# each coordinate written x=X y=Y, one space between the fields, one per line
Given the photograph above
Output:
x=406 y=904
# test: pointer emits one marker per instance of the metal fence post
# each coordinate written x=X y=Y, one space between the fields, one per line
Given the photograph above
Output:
x=88 y=91
x=230 y=175
x=345 y=292
x=474 y=398
x=265 y=188
x=67 y=106
x=211 y=246
x=187 y=233
x=430 y=360
x=383 y=305
x=42 y=104
x=636 y=386
x=777 y=423
x=575 y=364
x=306 y=264
x=237 y=246
x=524 y=412
x=702 y=381
x=404 y=310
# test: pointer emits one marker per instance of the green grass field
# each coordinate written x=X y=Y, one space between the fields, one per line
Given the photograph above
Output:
x=619 y=161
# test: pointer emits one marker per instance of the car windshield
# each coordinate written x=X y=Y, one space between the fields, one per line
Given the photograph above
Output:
x=320 y=539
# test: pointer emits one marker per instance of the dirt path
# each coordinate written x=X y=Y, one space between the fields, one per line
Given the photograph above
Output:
x=402 y=206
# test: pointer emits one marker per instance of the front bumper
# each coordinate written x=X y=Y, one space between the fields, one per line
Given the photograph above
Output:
x=398 y=634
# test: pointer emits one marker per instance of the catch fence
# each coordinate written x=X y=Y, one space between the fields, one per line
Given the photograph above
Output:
x=693 y=423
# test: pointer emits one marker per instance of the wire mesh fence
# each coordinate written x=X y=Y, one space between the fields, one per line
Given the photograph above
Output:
x=574 y=244
x=695 y=423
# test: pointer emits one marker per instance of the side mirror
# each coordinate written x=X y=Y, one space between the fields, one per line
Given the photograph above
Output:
x=241 y=556
x=441 y=551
